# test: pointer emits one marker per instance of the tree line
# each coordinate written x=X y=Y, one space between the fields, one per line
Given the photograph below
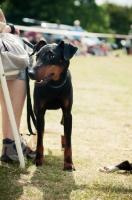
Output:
x=107 y=18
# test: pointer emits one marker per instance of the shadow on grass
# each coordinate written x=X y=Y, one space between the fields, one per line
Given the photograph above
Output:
x=49 y=180
x=52 y=181
x=10 y=185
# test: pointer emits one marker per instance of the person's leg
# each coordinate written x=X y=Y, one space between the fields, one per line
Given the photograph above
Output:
x=17 y=90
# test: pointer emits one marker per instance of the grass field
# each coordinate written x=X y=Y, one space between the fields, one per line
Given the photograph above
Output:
x=102 y=135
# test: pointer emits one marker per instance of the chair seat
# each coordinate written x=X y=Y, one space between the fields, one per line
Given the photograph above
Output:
x=12 y=73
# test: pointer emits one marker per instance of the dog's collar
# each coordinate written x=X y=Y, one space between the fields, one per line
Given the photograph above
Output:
x=59 y=86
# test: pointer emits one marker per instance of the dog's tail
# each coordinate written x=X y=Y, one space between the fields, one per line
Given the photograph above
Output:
x=30 y=113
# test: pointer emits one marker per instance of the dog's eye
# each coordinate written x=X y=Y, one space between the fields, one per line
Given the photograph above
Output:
x=51 y=56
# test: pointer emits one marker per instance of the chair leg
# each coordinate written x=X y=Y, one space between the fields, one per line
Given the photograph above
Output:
x=11 y=115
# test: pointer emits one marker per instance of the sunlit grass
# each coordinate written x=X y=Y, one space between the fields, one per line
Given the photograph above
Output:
x=102 y=135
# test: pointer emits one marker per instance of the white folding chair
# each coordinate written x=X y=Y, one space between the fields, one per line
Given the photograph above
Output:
x=10 y=112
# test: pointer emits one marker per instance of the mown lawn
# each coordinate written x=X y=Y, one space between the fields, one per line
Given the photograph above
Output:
x=102 y=135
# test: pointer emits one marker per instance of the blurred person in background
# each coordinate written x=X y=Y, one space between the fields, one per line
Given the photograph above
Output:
x=77 y=28
x=130 y=33
x=31 y=36
x=58 y=37
x=128 y=46
x=39 y=37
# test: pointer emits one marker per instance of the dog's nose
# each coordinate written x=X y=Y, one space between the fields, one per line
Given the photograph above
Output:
x=31 y=74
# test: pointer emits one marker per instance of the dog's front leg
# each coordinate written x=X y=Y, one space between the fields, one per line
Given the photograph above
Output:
x=40 y=133
x=68 y=164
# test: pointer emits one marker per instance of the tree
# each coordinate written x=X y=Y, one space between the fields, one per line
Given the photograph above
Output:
x=65 y=11
x=108 y=18
x=44 y=10
x=120 y=18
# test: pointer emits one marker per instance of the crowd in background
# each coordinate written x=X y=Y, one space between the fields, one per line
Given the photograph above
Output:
x=99 y=48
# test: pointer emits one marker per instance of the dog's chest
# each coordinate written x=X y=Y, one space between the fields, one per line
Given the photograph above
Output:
x=49 y=98
x=53 y=104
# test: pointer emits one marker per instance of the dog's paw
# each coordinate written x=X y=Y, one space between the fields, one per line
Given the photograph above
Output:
x=108 y=169
x=38 y=162
x=69 y=168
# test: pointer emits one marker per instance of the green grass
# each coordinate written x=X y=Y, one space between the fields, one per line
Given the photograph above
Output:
x=102 y=135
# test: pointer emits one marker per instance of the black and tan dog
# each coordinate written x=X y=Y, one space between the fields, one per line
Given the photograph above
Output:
x=53 y=90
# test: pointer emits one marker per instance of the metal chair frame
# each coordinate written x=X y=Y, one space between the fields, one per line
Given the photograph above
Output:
x=10 y=111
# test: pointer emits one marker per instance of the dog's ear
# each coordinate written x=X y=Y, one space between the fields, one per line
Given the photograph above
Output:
x=68 y=49
x=38 y=46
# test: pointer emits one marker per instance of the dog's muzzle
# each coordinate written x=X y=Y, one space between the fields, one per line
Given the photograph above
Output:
x=31 y=74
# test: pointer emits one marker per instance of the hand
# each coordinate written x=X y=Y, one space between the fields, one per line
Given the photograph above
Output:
x=7 y=29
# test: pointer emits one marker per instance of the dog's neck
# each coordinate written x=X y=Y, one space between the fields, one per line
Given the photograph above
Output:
x=60 y=82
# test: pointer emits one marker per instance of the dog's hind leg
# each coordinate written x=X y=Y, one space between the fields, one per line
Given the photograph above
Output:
x=63 y=139
x=40 y=134
x=68 y=164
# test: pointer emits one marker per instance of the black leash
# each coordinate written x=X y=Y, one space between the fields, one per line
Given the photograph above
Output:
x=28 y=43
x=30 y=113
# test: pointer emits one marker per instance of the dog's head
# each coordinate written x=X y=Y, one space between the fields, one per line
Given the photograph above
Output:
x=51 y=61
